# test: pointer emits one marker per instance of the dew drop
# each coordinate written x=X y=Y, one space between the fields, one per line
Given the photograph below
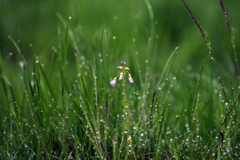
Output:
x=189 y=68
x=21 y=64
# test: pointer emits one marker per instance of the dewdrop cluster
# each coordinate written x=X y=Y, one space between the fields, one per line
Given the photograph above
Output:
x=121 y=75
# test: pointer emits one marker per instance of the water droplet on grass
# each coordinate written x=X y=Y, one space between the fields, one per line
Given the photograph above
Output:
x=21 y=64
x=189 y=68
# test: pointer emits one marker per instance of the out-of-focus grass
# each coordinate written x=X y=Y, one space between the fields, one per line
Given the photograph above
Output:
x=35 y=23
x=56 y=99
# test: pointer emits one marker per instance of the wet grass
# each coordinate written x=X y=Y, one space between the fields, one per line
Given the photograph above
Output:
x=60 y=104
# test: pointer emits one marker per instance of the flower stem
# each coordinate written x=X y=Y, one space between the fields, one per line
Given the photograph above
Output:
x=124 y=91
x=125 y=105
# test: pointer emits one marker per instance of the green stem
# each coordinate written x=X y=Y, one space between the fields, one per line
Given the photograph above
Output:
x=125 y=133
x=125 y=104
x=124 y=91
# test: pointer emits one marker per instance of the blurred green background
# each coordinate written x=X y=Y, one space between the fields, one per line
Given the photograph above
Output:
x=36 y=23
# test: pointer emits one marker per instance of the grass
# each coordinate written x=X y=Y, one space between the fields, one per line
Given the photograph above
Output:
x=59 y=104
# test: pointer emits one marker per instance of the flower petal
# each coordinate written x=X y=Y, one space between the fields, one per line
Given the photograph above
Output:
x=113 y=82
x=123 y=63
x=119 y=67
x=130 y=78
x=121 y=76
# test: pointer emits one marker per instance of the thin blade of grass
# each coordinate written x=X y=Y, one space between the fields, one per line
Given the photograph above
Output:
x=168 y=64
